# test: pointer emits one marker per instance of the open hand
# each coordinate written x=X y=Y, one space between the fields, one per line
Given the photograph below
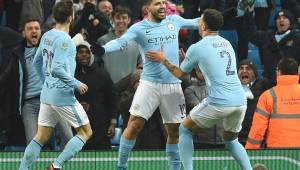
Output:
x=158 y=56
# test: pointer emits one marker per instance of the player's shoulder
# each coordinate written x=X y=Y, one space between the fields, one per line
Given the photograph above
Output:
x=173 y=18
x=138 y=24
x=48 y=33
x=196 y=48
x=63 y=42
x=199 y=45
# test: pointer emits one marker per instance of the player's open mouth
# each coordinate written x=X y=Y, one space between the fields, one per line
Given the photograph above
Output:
x=34 y=37
x=245 y=77
x=162 y=11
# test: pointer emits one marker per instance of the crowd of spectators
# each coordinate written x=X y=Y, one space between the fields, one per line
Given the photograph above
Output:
x=271 y=25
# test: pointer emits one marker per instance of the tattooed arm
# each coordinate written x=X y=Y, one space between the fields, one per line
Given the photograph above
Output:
x=176 y=71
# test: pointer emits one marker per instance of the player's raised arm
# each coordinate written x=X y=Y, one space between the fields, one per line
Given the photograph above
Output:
x=114 y=45
x=187 y=23
x=159 y=56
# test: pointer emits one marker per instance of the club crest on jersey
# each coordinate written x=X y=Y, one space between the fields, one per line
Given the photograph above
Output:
x=64 y=46
x=171 y=27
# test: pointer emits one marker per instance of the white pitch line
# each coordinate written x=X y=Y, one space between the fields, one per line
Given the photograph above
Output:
x=114 y=159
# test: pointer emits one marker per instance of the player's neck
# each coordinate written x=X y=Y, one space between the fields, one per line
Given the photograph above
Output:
x=210 y=33
x=63 y=27
x=153 y=19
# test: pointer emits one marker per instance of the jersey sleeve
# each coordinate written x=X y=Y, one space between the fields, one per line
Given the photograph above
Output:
x=122 y=42
x=190 y=60
x=38 y=62
x=186 y=23
x=59 y=61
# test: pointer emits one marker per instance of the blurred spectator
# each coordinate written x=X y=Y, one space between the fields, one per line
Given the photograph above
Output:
x=94 y=23
x=10 y=53
x=294 y=7
x=191 y=11
x=32 y=83
x=262 y=10
x=47 y=9
x=135 y=7
x=13 y=12
x=105 y=7
x=273 y=44
x=32 y=8
x=78 y=6
x=152 y=135
x=121 y=63
x=194 y=94
x=194 y=9
x=276 y=119
x=100 y=102
x=254 y=87
x=196 y=91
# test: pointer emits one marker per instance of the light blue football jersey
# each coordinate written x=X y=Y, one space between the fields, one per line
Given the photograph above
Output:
x=56 y=53
x=216 y=58
x=151 y=36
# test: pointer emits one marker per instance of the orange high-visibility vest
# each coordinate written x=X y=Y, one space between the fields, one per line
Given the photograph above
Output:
x=277 y=116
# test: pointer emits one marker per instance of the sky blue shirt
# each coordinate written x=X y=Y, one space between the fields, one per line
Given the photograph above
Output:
x=57 y=53
x=34 y=83
x=216 y=58
x=151 y=36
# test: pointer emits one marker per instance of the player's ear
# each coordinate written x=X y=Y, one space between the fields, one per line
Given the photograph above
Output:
x=23 y=33
x=129 y=20
x=70 y=19
x=203 y=27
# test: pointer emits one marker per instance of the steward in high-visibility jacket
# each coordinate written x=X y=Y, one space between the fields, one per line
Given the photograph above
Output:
x=276 y=120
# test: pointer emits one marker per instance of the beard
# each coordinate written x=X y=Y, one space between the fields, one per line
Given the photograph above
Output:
x=156 y=16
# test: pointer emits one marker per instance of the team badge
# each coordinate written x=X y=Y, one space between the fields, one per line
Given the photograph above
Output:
x=171 y=27
x=64 y=46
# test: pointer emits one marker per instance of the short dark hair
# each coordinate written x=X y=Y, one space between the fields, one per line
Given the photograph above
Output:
x=121 y=10
x=62 y=10
x=147 y=2
x=213 y=19
x=28 y=19
x=288 y=66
